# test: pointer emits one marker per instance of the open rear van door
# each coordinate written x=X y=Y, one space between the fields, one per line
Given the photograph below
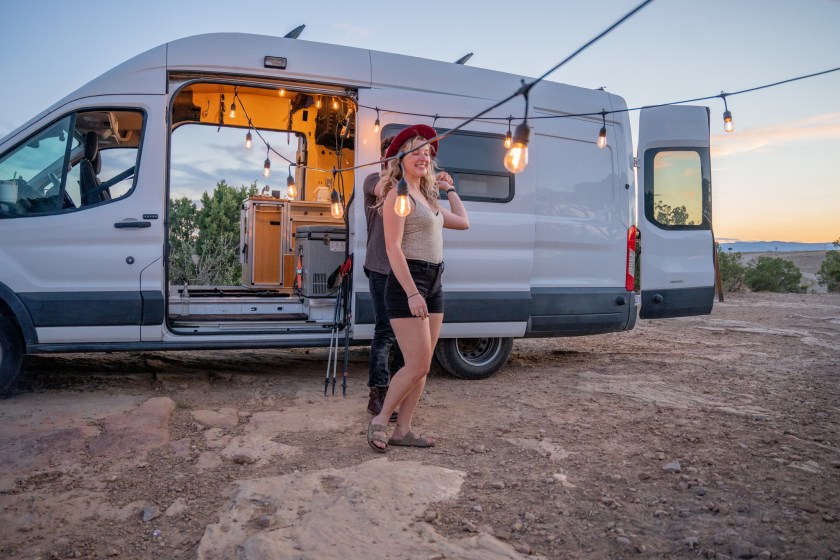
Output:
x=674 y=212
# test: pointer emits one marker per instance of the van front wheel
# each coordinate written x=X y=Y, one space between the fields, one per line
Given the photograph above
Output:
x=473 y=358
x=11 y=353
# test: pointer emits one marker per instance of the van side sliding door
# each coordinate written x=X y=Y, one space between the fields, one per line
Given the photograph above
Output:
x=674 y=212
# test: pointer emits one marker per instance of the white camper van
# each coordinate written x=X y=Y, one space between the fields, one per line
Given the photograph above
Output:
x=90 y=187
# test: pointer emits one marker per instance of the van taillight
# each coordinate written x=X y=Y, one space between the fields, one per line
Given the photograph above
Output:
x=630 y=277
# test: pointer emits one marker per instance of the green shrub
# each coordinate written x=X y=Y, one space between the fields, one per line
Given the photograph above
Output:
x=773 y=274
x=829 y=273
x=731 y=270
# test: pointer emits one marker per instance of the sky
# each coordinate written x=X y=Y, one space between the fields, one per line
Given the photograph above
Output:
x=775 y=177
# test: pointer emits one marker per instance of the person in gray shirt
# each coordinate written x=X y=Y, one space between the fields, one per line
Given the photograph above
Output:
x=376 y=269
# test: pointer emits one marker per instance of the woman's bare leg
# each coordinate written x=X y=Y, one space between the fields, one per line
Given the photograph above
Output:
x=414 y=337
x=409 y=402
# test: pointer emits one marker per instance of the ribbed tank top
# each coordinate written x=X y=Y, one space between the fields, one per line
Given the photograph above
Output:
x=423 y=234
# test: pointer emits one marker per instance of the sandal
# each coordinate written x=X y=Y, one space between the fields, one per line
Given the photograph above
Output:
x=373 y=437
x=412 y=440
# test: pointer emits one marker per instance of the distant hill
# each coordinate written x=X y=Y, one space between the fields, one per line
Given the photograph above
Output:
x=777 y=246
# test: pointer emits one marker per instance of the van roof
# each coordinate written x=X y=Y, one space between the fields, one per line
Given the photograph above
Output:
x=243 y=54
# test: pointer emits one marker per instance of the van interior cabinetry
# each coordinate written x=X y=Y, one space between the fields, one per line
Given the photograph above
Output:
x=267 y=239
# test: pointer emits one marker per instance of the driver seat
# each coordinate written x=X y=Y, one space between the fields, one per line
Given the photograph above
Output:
x=89 y=169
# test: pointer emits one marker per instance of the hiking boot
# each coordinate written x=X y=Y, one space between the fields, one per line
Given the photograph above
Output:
x=375 y=400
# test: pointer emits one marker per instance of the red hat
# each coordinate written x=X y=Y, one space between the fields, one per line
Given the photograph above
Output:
x=407 y=134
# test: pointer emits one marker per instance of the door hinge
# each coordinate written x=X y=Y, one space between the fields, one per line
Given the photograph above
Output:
x=635 y=162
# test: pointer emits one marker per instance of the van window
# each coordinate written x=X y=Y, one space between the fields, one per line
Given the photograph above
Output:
x=677 y=188
x=84 y=159
x=475 y=161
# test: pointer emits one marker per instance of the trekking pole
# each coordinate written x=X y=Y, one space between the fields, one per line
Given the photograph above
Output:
x=333 y=337
x=346 y=340
x=337 y=329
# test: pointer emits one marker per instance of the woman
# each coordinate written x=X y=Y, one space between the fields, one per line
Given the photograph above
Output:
x=413 y=295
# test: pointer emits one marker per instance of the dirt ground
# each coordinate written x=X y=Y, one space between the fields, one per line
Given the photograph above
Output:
x=710 y=437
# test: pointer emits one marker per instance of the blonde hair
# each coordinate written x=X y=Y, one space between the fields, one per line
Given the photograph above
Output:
x=392 y=174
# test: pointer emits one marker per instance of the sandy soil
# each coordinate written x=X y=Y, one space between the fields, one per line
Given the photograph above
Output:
x=711 y=437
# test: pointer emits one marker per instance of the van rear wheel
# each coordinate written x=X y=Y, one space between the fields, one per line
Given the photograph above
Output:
x=473 y=358
x=11 y=353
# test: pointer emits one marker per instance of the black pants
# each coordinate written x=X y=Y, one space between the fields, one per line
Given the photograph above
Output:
x=379 y=373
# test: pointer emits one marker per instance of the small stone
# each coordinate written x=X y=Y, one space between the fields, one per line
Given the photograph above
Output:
x=765 y=555
x=720 y=538
x=470 y=526
x=430 y=516
x=742 y=549
x=691 y=542
x=479 y=448
x=517 y=526
x=437 y=556
x=265 y=521
x=808 y=506
x=523 y=548
x=149 y=513
x=700 y=491
x=828 y=518
x=502 y=535
x=497 y=484
x=242 y=459
x=478 y=508
x=530 y=517
x=765 y=519
x=660 y=513
x=113 y=552
x=623 y=541
x=615 y=477
x=672 y=467
x=643 y=476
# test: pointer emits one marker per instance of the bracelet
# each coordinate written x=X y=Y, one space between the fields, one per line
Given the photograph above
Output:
x=447 y=191
x=412 y=295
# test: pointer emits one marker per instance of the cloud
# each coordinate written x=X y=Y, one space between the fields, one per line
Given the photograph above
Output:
x=818 y=127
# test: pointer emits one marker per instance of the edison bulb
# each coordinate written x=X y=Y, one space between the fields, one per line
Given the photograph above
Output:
x=403 y=206
x=248 y=142
x=291 y=191
x=336 y=210
x=318 y=103
x=232 y=113
x=602 y=137
x=728 y=125
x=376 y=127
x=267 y=168
x=282 y=92
x=508 y=140
x=516 y=158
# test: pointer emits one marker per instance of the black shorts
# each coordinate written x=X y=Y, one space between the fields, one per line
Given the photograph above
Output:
x=426 y=277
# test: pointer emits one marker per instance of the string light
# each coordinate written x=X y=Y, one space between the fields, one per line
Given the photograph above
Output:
x=336 y=210
x=602 y=135
x=282 y=92
x=232 y=113
x=402 y=207
x=335 y=104
x=376 y=123
x=728 y=125
x=516 y=158
x=267 y=164
x=248 y=142
x=518 y=153
x=508 y=138
x=291 y=189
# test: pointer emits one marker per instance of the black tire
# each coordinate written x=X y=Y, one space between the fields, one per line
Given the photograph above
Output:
x=11 y=353
x=473 y=358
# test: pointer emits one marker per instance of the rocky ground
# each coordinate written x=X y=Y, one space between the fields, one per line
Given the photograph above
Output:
x=711 y=437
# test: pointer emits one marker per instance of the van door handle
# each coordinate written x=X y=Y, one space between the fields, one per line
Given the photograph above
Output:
x=132 y=224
